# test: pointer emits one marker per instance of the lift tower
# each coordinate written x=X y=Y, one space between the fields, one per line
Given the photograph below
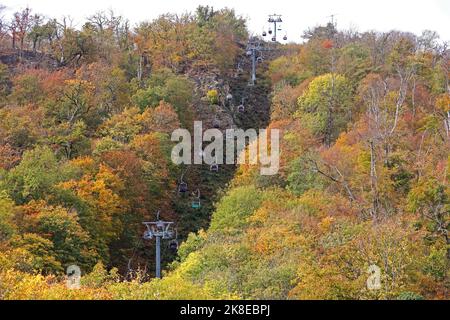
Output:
x=274 y=19
x=256 y=47
x=160 y=230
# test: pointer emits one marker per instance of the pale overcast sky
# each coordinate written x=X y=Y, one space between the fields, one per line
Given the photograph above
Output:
x=382 y=15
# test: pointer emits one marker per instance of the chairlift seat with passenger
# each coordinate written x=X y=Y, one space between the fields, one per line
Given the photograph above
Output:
x=173 y=245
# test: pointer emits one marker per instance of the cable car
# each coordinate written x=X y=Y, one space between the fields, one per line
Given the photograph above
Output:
x=249 y=52
x=270 y=31
x=274 y=39
x=216 y=124
x=229 y=96
x=285 y=38
x=259 y=59
x=264 y=34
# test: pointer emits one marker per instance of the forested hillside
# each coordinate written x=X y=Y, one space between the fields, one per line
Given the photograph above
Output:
x=86 y=116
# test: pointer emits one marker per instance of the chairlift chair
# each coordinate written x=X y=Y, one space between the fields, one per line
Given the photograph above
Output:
x=216 y=123
x=264 y=34
x=196 y=204
x=285 y=38
x=182 y=187
x=214 y=167
x=274 y=39
x=241 y=107
x=173 y=246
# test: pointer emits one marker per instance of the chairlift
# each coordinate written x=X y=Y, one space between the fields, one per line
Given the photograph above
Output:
x=241 y=107
x=229 y=96
x=216 y=123
x=148 y=235
x=274 y=39
x=285 y=38
x=182 y=186
x=270 y=31
x=259 y=59
x=173 y=244
x=264 y=34
x=214 y=167
x=196 y=204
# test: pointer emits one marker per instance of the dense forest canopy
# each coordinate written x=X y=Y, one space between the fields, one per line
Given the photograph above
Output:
x=86 y=116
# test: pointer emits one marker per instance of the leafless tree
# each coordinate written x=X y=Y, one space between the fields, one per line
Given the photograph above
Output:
x=19 y=27
x=3 y=24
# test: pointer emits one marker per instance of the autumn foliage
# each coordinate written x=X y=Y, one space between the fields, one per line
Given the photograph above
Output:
x=85 y=158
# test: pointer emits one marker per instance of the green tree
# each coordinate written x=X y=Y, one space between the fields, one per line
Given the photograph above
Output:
x=36 y=176
x=325 y=107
